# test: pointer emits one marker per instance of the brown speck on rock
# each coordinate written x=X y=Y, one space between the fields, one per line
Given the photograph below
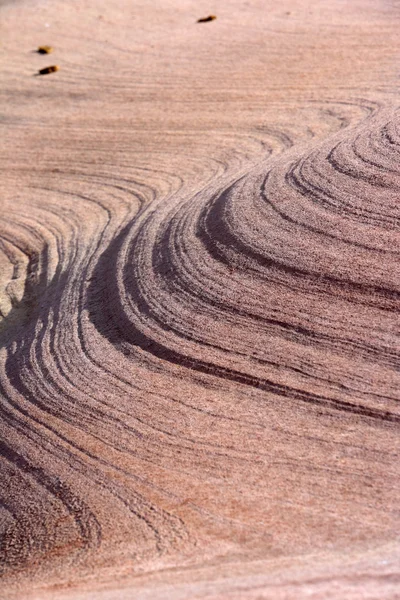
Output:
x=45 y=49
x=207 y=19
x=48 y=70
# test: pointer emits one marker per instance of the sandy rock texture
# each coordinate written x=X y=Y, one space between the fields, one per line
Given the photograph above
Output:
x=199 y=300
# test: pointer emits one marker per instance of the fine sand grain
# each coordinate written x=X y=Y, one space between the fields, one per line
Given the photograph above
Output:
x=199 y=300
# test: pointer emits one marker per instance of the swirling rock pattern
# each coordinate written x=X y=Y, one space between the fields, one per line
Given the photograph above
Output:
x=199 y=303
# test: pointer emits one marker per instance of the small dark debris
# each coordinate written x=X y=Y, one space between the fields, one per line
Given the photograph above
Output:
x=207 y=19
x=48 y=70
x=45 y=50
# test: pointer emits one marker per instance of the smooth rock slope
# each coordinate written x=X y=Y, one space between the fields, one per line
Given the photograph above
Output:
x=199 y=301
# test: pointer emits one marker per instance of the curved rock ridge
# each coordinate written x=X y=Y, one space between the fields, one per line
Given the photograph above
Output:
x=209 y=377
x=199 y=300
x=287 y=281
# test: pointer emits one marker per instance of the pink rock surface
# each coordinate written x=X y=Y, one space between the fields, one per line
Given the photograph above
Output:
x=199 y=300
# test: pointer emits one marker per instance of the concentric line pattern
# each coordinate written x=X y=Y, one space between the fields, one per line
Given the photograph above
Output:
x=286 y=281
x=210 y=375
